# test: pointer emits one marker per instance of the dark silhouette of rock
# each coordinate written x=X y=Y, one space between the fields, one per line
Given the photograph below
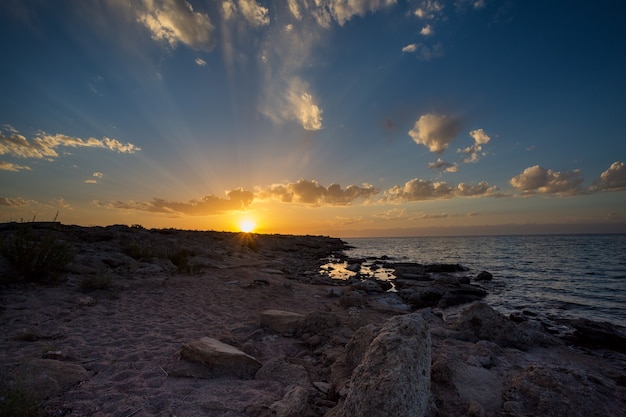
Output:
x=484 y=276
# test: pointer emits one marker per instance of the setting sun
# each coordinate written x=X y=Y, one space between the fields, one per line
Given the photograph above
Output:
x=247 y=225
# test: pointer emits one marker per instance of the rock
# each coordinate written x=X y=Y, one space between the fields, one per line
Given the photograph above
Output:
x=317 y=322
x=293 y=404
x=45 y=378
x=283 y=372
x=484 y=276
x=598 y=335
x=393 y=378
x=220 y=358
x=481 y=322
x=367 y=285
x=283 y=322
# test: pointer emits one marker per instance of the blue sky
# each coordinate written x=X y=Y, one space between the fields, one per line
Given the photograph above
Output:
x=340 y=117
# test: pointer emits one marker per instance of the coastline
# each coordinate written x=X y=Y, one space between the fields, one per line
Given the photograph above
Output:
x=166 y=288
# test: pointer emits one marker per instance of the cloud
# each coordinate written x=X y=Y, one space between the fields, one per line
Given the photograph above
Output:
x=294 y=8
x=391 y=214
x=428 y=9
x=44 y=145
x=419 y=190
x=613 y=179
x=539 y=180
x=255 y=14
x=238 y=199
x=8 y=166
x=312 y=193
x=472 y=152
x=435 y=131
x=294 y=101
x=427 y=30
x=443 y=166
x=174 y=22
x=344 y=10
x=15 y=202
x=200 y=62
x=96 y=176
x=424 y=52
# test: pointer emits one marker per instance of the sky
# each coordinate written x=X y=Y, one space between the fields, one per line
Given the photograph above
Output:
x=335 y=117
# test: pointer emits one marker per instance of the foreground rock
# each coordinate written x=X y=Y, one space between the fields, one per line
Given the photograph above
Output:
x=48 y=377
x=393 y=378
x=220 y=358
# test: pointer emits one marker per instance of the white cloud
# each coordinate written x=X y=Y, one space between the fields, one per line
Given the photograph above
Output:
x=294 y=8
x=344 y=10
x=435 y=131
x=200 y=62
x=424 y=52
x=175 y=21
x=8 y=166
x=427 y=30
x=294 y=101
x=472 y=152
x=254 y=13
x=410 y=48
x=539 y=180
x=419 y=190
x=613 y=179
x=443 y=166
x=44 y=145
x=312 y=193
x=428 y=9
x=95 y=177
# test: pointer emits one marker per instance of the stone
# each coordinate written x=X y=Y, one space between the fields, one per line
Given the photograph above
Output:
x=367 y=285
x=220 y=358
x=293 y=403
x=46 y=378
x=286 y=373
x=484 y=276
x=393 y=379
x=283 y=322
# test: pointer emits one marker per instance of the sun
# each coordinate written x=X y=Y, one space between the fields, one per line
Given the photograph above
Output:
x=247 y=225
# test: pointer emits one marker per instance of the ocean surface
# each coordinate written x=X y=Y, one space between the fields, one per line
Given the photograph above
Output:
x=556 y=276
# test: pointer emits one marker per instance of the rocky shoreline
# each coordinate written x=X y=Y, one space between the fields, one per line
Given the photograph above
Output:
x=187 y=323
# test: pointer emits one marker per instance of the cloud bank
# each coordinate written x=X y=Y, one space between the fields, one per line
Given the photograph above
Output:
x=419 y=189
x=312 y=193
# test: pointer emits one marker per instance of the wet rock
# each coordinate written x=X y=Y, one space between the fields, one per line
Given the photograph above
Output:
x=484 y=276
x=594 y=334
x=220 y=358
x=393 y=379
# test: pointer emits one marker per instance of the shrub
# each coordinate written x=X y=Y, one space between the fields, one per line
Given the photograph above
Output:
x=18 y=401
x=34 y=258
x=96 y=282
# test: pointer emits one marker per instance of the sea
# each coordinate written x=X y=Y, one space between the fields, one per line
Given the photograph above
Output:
x=555 y=276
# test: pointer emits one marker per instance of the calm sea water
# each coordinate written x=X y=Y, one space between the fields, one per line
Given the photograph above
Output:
x=569 y=276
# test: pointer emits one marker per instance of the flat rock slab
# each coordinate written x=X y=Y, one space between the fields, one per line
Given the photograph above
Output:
x=284 y=322
x=220 y=358
x=45 y=378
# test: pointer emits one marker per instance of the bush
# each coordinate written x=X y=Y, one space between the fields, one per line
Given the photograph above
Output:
x=96 y=282
x=34 y=258
x=19 y=402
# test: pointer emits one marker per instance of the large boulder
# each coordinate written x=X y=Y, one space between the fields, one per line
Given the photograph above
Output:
x=220 y=359
x=481 y=322
x=283 y=322
x=393 y=379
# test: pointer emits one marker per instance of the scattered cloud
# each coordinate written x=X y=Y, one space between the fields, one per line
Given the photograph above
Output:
x=95 y=177
x=613 y=179
x=440 y=165
x=174 y=22
x=428 y=9
x=255 y=14
x=294 y=8
x=44 y=145
x=342 y=10
x=15 y=202
x=472 y=152
x=410 y=48
x=8 y=166
x=349 y=220
x=419 y=190
x=312 y=193
x=435 y=131
x=200 y=62
x=238 y=199
x=427 y=30
x=295 y=102
x=539 y=180
x=391 y=214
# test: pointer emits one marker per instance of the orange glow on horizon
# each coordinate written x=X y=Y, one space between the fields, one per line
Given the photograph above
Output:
x=247 y=225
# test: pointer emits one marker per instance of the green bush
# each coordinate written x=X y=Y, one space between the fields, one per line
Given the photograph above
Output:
x=36 y=258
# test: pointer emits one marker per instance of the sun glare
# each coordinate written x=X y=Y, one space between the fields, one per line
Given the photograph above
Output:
x=247 y=225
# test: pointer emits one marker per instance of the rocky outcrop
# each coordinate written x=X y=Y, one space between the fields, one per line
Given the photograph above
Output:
x=220 y=359
x=393 y=379
x=481 y=322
